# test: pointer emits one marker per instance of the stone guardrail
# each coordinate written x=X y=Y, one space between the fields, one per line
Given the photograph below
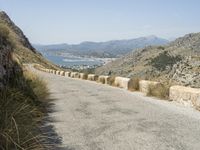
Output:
x=184 y=95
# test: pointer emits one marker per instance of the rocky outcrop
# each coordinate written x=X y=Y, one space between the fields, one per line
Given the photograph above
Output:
x=22 y=49
x=187 y=72
x=8 y=67
x=21 y=37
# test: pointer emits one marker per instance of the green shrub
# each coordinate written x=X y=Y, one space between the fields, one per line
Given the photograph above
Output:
x=163 y=60
x=133 y=84
x=161 y=47
x=159 y=90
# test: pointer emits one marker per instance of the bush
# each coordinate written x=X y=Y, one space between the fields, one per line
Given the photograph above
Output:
x=112 y=81
x=161 y=47
x=163 y=60
x=133 y=84
x=159 y=90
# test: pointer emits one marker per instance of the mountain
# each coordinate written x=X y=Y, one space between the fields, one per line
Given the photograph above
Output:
x=22 y=50
x=178 y=61
x=114 y=48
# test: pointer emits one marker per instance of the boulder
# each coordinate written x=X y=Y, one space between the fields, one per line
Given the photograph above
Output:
x=185 y=95
x=122 y=82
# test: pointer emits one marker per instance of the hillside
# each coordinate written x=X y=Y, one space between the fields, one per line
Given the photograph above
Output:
x=114 y=48
x=23 y=50
x=178 y=61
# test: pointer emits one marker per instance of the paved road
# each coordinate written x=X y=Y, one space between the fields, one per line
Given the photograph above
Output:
x=91 y=116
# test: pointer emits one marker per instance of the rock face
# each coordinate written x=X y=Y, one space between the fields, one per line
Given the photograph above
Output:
x=8 y=67
x=186 y=72
x=22 y=49
x=21 y=37
x=179 y=61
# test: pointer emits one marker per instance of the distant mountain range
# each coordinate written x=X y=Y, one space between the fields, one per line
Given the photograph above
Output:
x=115 y=48
x=177 y=62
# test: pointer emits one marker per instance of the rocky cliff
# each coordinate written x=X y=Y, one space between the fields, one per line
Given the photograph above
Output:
x=179 y=62
x=8 y=67
x=23 y=51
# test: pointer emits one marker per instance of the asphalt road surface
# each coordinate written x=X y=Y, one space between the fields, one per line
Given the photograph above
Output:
x=92 y=116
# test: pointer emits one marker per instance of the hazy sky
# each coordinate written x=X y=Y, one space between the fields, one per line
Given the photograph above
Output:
x=74 y=21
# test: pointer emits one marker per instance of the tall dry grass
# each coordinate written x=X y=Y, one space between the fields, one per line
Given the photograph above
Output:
x=159 y=90
x=133 y=84
x=20 y=113
x=112 y=81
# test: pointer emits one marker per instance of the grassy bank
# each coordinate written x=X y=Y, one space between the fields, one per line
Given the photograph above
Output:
x=21 y=109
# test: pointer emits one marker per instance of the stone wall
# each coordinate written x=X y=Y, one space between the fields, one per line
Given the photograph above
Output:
x=145 y=84
x=122 y=82
x=185 y=95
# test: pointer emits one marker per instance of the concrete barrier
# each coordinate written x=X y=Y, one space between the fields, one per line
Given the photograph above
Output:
x=67 y=74
x=83 y=76
x=54 y=71
x=92 y=77
x=74 y=75
x=57 y=72
x=104 y=79
x=62 y=73
x=185 y=95
x=122 y=82
x=144 y=85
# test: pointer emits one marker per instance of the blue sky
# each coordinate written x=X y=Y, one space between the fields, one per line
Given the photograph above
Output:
x=74 y=21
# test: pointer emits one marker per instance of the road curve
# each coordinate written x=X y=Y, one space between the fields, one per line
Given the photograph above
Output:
x=92 y=116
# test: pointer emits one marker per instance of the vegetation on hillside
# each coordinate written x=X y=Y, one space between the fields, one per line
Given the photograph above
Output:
x=23 y=50
x=21 y=110
x=163 y=60
x=22 y=100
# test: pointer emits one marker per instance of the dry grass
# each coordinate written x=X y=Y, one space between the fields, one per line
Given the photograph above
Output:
x=102 y=80
x=159 y=90
x=112 y=81
x=4 y=31
x=85 y=76
x=133 y=84
x=20 y=113
x=37 y=85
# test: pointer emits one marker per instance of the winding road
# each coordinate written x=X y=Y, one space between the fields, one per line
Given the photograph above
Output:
x=92 y=116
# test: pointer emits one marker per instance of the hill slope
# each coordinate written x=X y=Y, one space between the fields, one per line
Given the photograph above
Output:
x=178 y=61
x=23 y=50
x=104 y=49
